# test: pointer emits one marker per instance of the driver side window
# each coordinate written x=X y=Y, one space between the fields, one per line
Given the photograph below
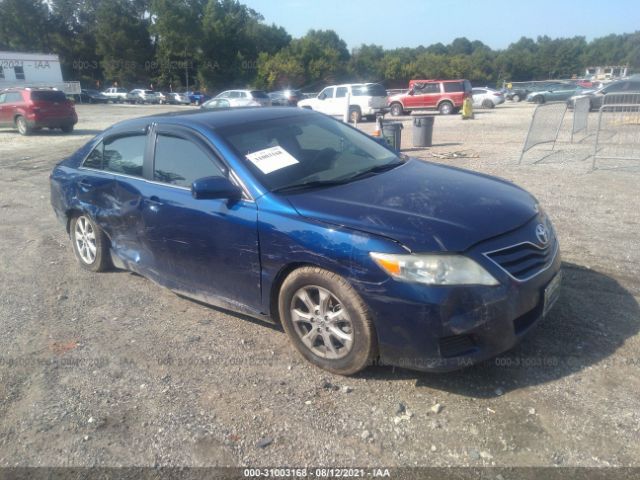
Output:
x=327 y=93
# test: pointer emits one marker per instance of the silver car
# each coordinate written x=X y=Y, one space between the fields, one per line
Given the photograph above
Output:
x=245 y=98
x=486 y=97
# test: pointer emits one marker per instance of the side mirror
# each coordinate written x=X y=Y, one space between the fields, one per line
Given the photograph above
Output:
x=215 y=187
x=322 y=96
x=411 y=92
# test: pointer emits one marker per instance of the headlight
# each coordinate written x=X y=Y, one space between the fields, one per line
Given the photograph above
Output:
x=434 y=269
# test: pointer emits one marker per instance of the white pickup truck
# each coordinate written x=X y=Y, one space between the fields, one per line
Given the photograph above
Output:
x=116 y=94
x=365 y=100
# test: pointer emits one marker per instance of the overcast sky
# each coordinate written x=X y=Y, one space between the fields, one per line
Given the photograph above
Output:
x=409 y=23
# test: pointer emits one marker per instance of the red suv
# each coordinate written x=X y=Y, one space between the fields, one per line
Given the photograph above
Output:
x=30 y=109
x=443 y=95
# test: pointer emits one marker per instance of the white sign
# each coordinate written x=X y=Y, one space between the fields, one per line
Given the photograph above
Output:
x=271 y=159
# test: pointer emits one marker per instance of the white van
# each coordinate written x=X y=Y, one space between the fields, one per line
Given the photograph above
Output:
x=366 y=99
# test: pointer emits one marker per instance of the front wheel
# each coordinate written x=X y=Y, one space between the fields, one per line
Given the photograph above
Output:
x=90 y=244
x=539 y=100
x=327 y=321
x=445 y=108
x=516 y=98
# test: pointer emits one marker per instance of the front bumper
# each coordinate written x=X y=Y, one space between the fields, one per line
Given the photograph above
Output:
x=448 y=328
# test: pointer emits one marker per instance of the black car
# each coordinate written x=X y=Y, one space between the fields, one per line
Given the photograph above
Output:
x=286 y=98
x=91 y=96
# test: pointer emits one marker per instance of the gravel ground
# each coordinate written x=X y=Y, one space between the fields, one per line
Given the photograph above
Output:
x=113 y=370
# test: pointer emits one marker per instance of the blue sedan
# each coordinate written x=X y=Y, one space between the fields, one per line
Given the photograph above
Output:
x=363 y=255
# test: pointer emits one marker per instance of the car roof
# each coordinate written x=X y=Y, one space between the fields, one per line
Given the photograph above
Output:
x=212 y=120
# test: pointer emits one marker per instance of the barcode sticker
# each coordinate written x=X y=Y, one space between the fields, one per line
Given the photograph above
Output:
x=271 y=159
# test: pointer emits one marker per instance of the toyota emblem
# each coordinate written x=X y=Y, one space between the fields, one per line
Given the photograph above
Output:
x=542 y=234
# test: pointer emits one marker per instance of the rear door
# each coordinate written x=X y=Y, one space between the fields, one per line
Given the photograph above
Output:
x=205 y=248
x=455 y=92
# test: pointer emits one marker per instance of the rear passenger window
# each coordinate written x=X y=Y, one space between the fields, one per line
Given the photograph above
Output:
x=454 y=87
x=180 y=162
x=124 y=155
x=94 y=159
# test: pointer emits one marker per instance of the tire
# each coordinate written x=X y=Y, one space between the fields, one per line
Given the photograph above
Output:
x=355 y=345
x=22 y=125
x=396 y=109
x=516 y=98
x=355 y=115
x=445 y=108
x=539 y=99
x=90 y=244
x=487 y=104
x=67 y=128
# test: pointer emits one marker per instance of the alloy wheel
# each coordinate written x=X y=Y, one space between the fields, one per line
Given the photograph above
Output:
x=85 y=238
x=321 y=322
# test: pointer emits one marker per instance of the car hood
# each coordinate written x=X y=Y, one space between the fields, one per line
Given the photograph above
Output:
x=424 y=206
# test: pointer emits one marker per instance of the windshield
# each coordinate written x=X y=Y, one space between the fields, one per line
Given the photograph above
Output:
x=306 y=149
x=48 y=96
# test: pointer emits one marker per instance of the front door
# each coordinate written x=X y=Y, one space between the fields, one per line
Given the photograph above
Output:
x=206 y=248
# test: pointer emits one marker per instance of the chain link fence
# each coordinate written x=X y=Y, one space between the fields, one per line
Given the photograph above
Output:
x=545 y=126
x=618 y=133
x=580 y=124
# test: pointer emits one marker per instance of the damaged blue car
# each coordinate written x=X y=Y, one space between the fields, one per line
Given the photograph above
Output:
x=363 y=255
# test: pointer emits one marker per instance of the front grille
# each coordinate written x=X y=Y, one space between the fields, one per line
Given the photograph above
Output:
x=525 y=260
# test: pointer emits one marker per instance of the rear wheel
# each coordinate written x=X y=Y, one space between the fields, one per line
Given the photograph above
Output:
x=90 y=244
x=445 y=108
x=23 y=126
x=487 y=104
x=67 y=128
x=516 y=98
x=327 y=321
x=539 y=99
x=396 y=109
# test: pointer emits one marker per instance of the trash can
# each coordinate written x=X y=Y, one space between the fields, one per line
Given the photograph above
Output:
x=423 y=130
x=392 y=133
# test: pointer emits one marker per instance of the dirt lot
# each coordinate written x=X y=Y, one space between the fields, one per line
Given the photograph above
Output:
x=111 y=369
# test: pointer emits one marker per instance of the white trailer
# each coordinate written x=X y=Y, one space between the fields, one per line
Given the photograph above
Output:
x=18 y=69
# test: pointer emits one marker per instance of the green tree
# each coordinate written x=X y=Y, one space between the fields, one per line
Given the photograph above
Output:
x=123 y=42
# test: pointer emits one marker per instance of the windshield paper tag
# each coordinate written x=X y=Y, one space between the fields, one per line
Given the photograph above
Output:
x=271 y=159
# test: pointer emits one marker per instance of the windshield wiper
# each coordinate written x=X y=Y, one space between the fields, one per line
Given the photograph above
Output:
x=373 y=171
x=306 y=185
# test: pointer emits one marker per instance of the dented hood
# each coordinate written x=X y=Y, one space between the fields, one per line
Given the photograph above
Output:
x=424 y=206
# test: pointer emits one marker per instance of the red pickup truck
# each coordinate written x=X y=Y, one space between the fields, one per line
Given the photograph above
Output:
x=446 y=96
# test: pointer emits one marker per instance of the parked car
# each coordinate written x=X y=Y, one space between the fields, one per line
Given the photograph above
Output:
x=29 y=109
x=522 y=90
x=116 y=94
x=292 y=216
x=175 y=98
x=286 y=98
x=197 y=98
x=245 y=98
x=486 y=97
x=91 y=96
x=446 y=96
x=614 y=89
x=217 y=103
x=556 y=93
x=365 y=100
x=139 y=95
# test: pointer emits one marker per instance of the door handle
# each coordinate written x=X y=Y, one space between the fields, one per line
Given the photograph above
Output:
x=84 y=184
x=154 y=200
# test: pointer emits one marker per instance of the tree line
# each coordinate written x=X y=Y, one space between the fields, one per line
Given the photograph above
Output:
x=217 y=44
